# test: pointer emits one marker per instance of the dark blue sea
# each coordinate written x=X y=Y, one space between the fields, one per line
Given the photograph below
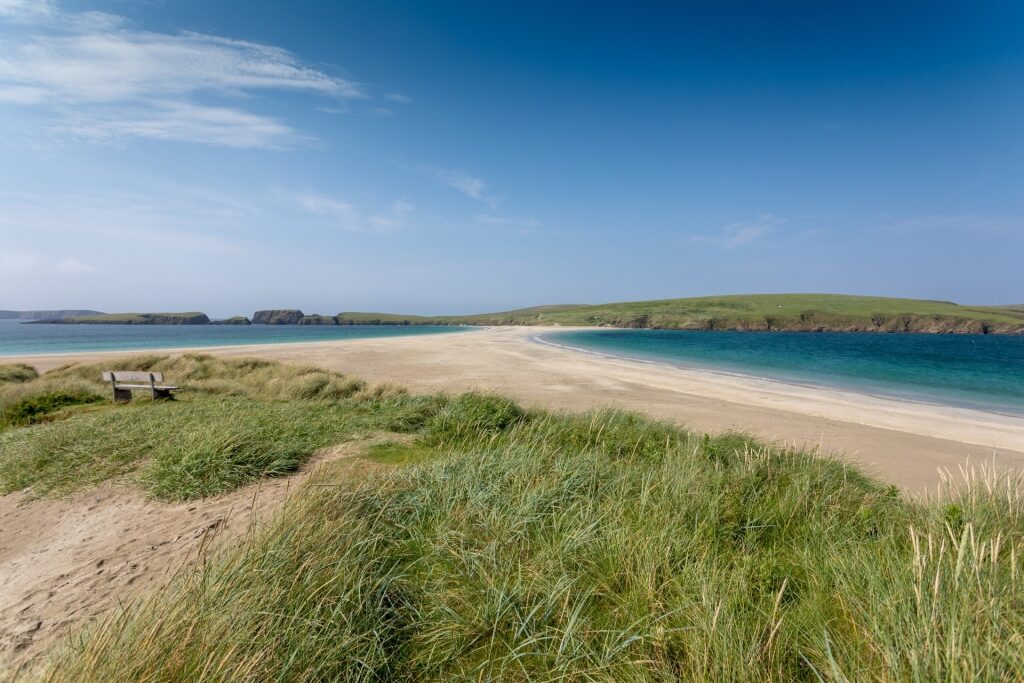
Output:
x=23 y=339
x=976 y=371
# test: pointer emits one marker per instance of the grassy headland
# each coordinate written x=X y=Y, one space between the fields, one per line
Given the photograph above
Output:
x=804 y=312
x=189 y=318
x=513 y=544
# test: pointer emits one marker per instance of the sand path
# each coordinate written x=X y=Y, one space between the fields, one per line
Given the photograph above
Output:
x=64 y=561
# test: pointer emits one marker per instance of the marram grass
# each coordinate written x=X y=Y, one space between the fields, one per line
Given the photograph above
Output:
x=606 y=547
x=235 y=420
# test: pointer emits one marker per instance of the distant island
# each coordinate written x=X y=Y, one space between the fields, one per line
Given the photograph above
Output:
x=192 y=318
x=757 y=312
x=44 y=315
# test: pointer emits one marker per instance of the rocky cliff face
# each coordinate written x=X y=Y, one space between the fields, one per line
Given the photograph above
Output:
x=235 y=320
x=280 y=316
x=175 y=319
x=318 y=320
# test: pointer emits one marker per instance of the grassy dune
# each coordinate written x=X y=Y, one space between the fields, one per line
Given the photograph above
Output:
x=509 y=544
x=235 y=420
x=761 y=312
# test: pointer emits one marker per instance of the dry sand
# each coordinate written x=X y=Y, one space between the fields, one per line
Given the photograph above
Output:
x=63 y=561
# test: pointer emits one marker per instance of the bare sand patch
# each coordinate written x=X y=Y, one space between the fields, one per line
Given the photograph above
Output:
x=64 y=561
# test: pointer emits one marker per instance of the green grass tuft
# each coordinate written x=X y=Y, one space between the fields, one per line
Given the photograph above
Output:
x=16 y=373
x=40 y=407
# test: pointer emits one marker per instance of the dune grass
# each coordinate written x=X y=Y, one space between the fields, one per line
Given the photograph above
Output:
x=235 y=420
x=16 y=373
x=527 y=546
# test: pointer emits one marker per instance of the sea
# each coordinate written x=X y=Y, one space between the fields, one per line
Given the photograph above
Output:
x=17 y=338
x=984 y=372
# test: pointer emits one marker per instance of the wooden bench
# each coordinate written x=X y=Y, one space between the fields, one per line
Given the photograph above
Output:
x=123 y=391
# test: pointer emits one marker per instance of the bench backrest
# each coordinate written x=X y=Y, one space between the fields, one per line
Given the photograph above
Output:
x=120 y=376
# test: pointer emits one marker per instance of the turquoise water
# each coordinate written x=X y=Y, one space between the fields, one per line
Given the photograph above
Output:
x=21 y=339
x=976 y=371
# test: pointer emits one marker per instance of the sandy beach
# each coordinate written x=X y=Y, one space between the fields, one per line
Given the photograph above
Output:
x=900 y=442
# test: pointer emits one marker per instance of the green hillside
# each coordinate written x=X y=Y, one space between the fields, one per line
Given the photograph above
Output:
x=809 y=312
x=189 y=318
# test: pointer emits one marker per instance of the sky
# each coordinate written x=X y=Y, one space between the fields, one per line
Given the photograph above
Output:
x=459 y=157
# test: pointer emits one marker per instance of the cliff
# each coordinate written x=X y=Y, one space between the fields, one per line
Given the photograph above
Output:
x=235 y=320
x=281 y=316
x=317 y=320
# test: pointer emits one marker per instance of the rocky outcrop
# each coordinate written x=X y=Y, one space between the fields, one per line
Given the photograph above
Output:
x=280 y=316
x=176 y=319
x=318 y=320
x=235 y=320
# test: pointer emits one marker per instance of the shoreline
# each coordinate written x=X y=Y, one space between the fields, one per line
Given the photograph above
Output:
x=899 y=441
x=113 y=353
x=538 y=338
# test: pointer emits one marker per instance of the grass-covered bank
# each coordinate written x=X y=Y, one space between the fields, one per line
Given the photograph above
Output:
x=507 y=544
x=234 y=421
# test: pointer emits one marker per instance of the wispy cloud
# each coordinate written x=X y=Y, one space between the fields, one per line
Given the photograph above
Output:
x=100 y=78
x=469 y=185
x=743 y=233
x=323 y=205
x=398 y=97
x=25 y=9
x=395 y=216
x=347 y=216
x=182 y=121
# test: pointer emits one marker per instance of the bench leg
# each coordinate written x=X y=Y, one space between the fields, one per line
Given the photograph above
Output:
x=122 y=395
x=162 y=395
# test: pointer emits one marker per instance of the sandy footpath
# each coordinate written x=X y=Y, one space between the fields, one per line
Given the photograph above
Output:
x=901 y=442
x=67 y=560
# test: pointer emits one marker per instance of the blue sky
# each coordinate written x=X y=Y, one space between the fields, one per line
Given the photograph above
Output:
x=450 y=157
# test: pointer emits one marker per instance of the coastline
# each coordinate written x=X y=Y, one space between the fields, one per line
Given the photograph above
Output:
x=902 y=442
x=824 y=386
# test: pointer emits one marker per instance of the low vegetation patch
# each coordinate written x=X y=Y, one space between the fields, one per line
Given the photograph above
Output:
x=522 y=545
x=16 y=373
x=39 y=407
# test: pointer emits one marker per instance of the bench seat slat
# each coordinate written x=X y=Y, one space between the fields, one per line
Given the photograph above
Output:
x=143 y=386
x=132 y=376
